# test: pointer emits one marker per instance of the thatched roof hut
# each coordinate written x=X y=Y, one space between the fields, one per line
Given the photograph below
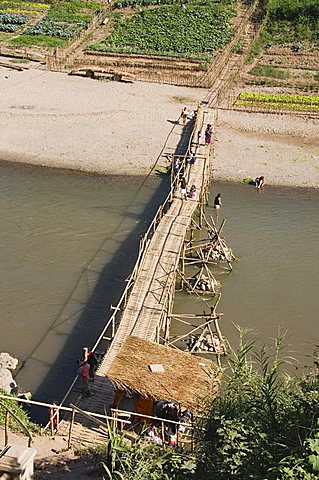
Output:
x=184 y=378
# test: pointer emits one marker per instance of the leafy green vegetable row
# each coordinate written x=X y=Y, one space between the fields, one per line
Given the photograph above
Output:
x=131 y=3
x=280 y=98
x=13 y=18
x=278 y=105
x=17 y=4
x=9 y=27
x=171 y=29
x=54 y=29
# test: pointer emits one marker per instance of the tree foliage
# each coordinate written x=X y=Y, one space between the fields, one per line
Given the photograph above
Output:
x=293 y=20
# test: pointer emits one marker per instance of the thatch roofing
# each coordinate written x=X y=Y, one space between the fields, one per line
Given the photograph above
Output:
x=186 y=379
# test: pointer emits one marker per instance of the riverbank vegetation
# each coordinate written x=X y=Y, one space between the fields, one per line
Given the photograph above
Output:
x=262 y=425
x=291 y=21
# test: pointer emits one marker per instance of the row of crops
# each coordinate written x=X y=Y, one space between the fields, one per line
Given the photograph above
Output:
x=278 y=101
x=11 y=22
x=194 y=31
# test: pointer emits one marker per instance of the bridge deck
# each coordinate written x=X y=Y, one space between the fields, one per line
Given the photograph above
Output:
x=156 y=277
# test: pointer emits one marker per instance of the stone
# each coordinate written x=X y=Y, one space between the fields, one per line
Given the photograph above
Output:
x=6 y=361
x=6 y=381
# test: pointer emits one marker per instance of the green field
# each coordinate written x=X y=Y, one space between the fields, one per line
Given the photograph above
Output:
x=195 y=31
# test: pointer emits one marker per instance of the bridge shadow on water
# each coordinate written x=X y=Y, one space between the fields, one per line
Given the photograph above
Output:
x=95 y=312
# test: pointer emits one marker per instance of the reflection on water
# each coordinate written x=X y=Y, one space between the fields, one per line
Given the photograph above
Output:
x=67 y=244
x=274 y=233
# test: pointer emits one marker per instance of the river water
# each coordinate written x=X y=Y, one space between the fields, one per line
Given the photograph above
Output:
x=68 y=241
x=273 y=288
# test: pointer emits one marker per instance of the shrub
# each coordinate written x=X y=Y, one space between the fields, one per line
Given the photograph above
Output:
x=264 y=424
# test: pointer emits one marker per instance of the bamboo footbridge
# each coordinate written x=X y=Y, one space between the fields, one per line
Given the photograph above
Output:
x=148 y=297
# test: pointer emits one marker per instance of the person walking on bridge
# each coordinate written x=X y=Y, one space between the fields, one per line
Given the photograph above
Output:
x=208 y=134
x=84 y=376
x=184 y=114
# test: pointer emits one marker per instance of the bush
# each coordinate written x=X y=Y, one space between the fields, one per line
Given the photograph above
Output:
x=264 y=424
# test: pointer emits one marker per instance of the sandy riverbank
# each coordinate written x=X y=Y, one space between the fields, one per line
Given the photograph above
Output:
x=283 y=148
x=72 y=122
x=115 y=128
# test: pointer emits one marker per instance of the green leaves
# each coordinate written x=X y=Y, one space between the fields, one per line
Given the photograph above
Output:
x=280 y=101
x=314 y=462
x=55 y=29
x=263 y=425
x=171 y=30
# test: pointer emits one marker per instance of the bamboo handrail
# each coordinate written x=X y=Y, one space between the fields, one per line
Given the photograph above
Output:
x=150 y=417
x=25 y=428
x=50 y=405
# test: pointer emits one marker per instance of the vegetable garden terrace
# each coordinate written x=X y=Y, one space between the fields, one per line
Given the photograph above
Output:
x=166 y=42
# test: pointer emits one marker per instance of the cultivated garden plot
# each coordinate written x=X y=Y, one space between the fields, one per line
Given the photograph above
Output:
x=47 y=24
x=289 y=44
x=194 y=30
x=302 y=103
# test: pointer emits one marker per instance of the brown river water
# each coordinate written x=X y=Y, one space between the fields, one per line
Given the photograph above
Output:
x=68 y=241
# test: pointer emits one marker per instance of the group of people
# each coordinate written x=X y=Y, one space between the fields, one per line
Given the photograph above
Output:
x=191 y=193
x=186 y=114
x=87 y=367
x=208 y=135
x=168 y=411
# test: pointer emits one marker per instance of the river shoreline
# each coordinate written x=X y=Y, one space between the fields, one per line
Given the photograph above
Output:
x=70 y=123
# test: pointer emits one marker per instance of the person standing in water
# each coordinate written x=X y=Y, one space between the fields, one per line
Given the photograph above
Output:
x=260 y=181
x=217 y=201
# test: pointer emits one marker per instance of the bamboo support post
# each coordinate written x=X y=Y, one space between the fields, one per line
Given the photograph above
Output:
x=70 y=428
x=51 y=422
x=221 y=245
x=6 y=428
x=192 y=331
x=182 y=266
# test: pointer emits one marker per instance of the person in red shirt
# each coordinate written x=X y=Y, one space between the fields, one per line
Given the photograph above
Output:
x=84 y=376
x=89 y=357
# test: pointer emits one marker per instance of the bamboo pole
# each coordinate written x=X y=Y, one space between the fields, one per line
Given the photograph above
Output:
x=182 y=266
x=70 y=428
x=192 y=331
x=6 y=428
x=221 y=245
